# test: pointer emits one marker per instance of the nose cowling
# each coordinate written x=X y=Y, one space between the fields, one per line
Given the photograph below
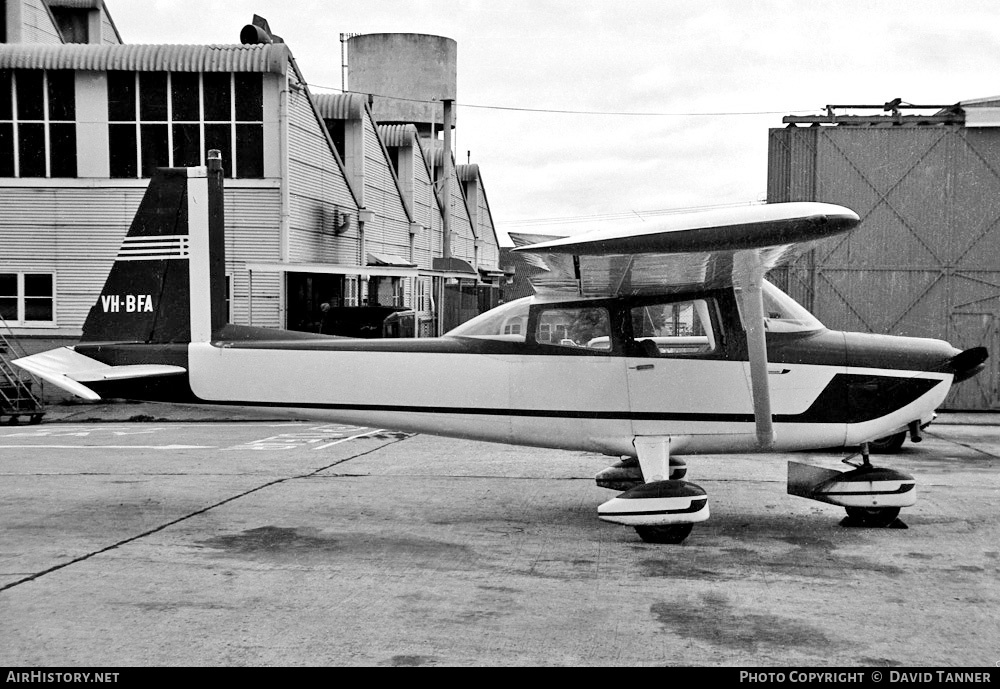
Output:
x=914 y=354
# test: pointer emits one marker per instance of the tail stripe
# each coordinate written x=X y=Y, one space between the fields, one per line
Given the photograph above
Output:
x=154 y=248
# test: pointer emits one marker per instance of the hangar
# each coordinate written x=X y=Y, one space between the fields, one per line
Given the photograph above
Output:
x=925 y=260
x=325 y=203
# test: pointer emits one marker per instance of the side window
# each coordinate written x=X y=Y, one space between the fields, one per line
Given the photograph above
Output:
x=158 y=119
x=37 y=123
x=672 y=329
x=580 y=327
x=27 y=299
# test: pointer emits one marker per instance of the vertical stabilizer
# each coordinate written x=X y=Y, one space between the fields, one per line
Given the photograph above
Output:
x=167 y=284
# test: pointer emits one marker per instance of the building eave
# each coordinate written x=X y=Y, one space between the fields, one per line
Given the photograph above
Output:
x=270 y=57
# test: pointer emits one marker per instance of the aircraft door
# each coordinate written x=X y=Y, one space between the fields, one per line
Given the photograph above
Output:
x=680 y=379
x=569 y=388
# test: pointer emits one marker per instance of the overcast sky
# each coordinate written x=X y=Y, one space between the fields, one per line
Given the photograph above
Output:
x=717 y=73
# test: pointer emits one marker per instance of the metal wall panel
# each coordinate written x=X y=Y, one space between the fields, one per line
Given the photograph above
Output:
x=389 y=233
x=37 y=26
x=925 y=260
x=253 y=221
x=74 y=232
x=317 y=191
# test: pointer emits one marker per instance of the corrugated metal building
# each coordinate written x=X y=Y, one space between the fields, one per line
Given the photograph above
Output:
x=322 y=204
x=925 y=260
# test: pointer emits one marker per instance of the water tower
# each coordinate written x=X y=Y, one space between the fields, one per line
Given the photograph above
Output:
x=409 y=76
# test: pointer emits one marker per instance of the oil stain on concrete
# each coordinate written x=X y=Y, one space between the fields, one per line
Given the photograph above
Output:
x=713 y=618
x=286 y=544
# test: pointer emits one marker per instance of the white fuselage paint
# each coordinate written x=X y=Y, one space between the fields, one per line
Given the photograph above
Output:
x=589 y=403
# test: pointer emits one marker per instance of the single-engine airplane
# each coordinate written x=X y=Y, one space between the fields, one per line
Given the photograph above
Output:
x=643 y=345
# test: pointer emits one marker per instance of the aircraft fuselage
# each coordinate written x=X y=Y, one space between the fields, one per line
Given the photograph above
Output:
x=827 y=388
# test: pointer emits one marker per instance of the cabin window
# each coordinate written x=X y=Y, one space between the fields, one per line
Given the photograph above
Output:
x=171 y=119
x=506 y=322
x=586 y=327
x=782 y=314
x=37 y=123
x=674 y=328
x=27 y=299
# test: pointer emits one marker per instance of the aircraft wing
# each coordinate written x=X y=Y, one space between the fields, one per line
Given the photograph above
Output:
x=733 y=247
x=705 y=249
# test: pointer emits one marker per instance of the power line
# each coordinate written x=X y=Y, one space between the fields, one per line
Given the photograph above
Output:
x=558 y=111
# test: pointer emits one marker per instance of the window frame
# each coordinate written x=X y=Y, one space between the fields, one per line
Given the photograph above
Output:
x=47 y=122
x=537 y=310
x=20 y=321
x=715 y=322
x=234 y=163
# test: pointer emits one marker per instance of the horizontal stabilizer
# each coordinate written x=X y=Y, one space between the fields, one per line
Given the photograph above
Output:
x=69 y=370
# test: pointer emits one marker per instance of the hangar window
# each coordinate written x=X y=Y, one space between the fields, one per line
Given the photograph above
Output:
x=171 y=119
x=37 y=123
x=27 y=299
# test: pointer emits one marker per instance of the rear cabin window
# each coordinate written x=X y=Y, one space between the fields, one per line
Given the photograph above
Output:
x=507 y=322
x=672 y=329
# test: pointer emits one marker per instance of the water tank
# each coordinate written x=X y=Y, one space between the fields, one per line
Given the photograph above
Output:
x=415 y=68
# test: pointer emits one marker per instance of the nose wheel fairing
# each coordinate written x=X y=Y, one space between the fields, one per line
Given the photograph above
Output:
x=661 y=507
x=872 y=496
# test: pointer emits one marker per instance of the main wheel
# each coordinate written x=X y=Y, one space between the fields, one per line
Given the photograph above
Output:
x=671 y=534
x=873 y=516
x=888 y=444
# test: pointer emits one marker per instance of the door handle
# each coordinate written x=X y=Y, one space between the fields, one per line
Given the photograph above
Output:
x=642 y=367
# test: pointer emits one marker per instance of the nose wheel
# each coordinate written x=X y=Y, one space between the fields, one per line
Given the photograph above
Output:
x=878 y=517
x=669 y=535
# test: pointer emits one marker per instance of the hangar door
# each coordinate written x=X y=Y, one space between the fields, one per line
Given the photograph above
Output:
x=925 y=260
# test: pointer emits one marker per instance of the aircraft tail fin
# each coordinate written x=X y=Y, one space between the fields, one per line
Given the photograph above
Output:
x=167 y=284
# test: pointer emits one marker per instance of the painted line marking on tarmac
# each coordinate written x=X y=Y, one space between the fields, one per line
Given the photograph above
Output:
x=75 y=433
x=344 y=440
x=306 y=437
x=113 y=447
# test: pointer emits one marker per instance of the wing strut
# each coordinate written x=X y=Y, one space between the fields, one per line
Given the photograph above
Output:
x=749 y=275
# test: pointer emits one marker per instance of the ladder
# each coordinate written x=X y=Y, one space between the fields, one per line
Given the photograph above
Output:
x=16 y=398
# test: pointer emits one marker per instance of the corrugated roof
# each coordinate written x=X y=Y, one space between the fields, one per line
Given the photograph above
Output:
x=78 y=4
x=434 y=152
x=398 y=134
x=267 y=57
x=340 y=106
x=467 y=173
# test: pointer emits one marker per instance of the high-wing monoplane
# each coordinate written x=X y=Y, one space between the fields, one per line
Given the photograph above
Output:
x=645 y=345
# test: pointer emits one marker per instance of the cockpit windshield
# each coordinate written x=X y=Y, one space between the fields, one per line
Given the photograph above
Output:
x=782 y=314
x=505 y=322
